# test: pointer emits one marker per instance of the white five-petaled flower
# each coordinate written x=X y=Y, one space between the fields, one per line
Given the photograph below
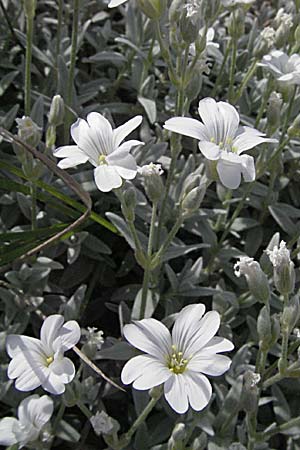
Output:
x=34 y=413
x=222 y=140
x=114 y=3
x=41 y=362
x=285 y=68
x=99 y=144
x=179 y=361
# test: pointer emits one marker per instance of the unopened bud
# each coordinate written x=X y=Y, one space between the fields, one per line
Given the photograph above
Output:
x=256 y=279
x=72 y=394
x=250 y=391
x=102 y=423
x=175 y=11
x=29 y=131
x=274 y=111
x=291 y=313
x=153 y=9
x=284 y=272
x=129 y=204
x=190 y=21
x=264 y=260
x=29 y=8
x=294 y=129
x=57 y=111
x=200 y=443
x=264 y=42
x=156 y=392
x=275 y=328
x=264 y=327
x=297 y=35
x=193 y=200
x=178 y=432
x=236 y=23
x=284 y=24
x=152 y=181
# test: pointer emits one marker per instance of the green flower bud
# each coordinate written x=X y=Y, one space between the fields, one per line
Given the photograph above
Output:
x=250 y=391
x=178 y=432
x=291 y=313
x=193 y=200
x=236 y=23
x=256 y=279
x=72 y=394
x=156 y=392
x=275 y=328
x=264 y=42
x=284 y=272
x=129 y=204
x=29 y=131
x=57 y=111
x=264 y=330
x=29 y=8
x=274 y=111
x=153 y=9
x=265 y=262
x=294 y=129
x=102 y=423
x=175 y=11
x=200 y=443
x=190 y=21
x=152 y=181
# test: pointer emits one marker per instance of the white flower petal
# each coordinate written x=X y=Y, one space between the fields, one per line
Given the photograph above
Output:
x=213 y=365
x=66 y=163
x=175 y=392
x=150 y=336
x=50 y=330
x=210 y=150
x=229 y=171
x=100 y=132
x=36 y=411
x=248 y=168
x=72 y=155
x=80 y=127
x=129 y=144
x=64 y=369
x=187 y=320
x=198 y=389
x=212 y=119
x=22 y=362
x=120 y=133
x=114 y=3
x=217 y=345
x=208 y=326
x=156 y=374
x=248 y=140
x=67 y=337
x=54 y=384
x=31 y=378
x=135 y=367
x=9 y=426
x=230 y=120
x=124 y=163
x=16 y=344
x=188 y=127
x=107 y=178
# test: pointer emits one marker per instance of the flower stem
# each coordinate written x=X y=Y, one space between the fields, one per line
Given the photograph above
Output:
x=33 y=205
x=142 y=417
x=246 y=79
x=58 y=33
x=282 y=363
x=220 y=75
x=70 y=82
x=232 y=69
x=28 y=59
x=264 y=102
x=165 y=53
x=84 y=410
x=59 y=415
x=157 y=257
x=147 y=272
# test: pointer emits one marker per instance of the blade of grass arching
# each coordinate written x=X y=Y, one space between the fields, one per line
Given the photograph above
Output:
x=63 y=197
x=29 y=236
x=10 y=185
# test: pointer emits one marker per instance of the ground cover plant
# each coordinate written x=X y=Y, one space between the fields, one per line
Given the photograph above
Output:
x=150 y=212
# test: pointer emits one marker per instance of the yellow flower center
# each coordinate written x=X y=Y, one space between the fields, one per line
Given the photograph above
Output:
x=49 y=360
x=102 y=160
x=176 y=363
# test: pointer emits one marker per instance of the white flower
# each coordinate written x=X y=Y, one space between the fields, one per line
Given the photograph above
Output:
x=268 y=34
x=41 y=362
x=114 y=3
x=33 y=413
x=179 y=360
x=99 y=144
x=285 y=68
x=228 y=3
x=151 y=169
x=283 y=18
x=222 y=139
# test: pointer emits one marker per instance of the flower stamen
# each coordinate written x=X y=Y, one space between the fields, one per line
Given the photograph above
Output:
x=176 y=363
x=102 y=160
x=49 y=360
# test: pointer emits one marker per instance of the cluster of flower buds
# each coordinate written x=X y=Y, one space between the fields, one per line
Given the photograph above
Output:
x=284 y=272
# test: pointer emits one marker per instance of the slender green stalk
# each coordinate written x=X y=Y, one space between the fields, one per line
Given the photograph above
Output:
x=142 y=417
x=165 y=53
x=167 y=242
x=282 y=363
x=58 y=32
x=288 y=115
x=264 y=102
x=279 y=376
x=84 y=410
x=220 y=75
x=71 y=74
x=246 y=80
x=59 y=416
x=147 y=272
x=232 y=69
x=33 y=205
x=28 y=59
x=295 y=422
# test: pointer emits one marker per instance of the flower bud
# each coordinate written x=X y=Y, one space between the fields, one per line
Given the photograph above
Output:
x=200 y=442
x=297 y=35
x=193 y=200
x=294 y=129
x=211 y=10
x=284 y=24
x=57 y=111
x=275 y=328
x=153 y=9
x=236 y=23
x=129 y=204
x=29 y=131
x=264 y=259
x=274 y=111
x=284 y=272
x=264 y=328
x=178 y=432
x=94 y=341
x=256 y=279
x=250 y=391
x=102 y=423
x=190 y=21
x=291 y=313
x=264 y=42
x=156 y=392
x=29 y=8
x=175 y=11
x=72 y=394
x=152 y=181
